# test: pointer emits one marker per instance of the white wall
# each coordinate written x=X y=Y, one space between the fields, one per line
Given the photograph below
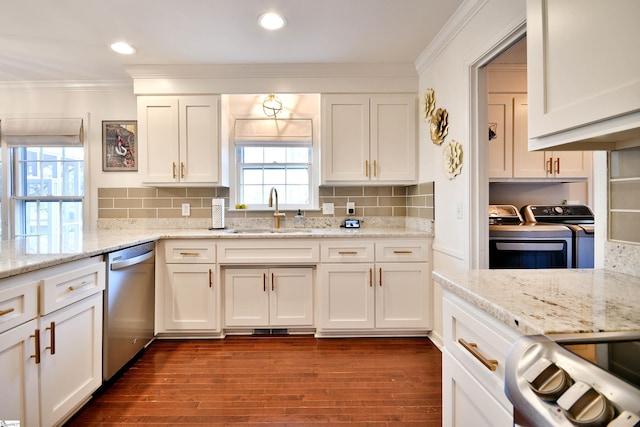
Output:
x=479 y=26
x=111 y=103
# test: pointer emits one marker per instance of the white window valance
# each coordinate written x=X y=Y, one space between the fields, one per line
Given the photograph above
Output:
x=297 y=132
x=41 y=131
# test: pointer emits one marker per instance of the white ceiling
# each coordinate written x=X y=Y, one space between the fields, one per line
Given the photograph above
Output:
x=69 y=39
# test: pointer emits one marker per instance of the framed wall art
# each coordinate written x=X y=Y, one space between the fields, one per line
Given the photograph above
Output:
x=119 y=145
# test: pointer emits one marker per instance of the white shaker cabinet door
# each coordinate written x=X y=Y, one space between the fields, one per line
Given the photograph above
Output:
x=347 y=296
x=190 y=298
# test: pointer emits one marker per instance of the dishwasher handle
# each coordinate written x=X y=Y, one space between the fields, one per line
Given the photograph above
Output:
x=118 y=265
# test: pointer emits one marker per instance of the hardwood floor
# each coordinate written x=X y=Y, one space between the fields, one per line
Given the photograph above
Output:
x=284 y=381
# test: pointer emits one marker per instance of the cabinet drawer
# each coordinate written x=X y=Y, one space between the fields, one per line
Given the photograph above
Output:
x=402 y=251
x=477 y=340
x=71 y=282
x=18 y=304
x=190 y=251
x=268 y=251
x=347 y=251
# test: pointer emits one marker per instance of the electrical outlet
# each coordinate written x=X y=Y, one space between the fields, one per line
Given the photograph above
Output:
x=186 y=209
x=327 y=209
x=351 y=208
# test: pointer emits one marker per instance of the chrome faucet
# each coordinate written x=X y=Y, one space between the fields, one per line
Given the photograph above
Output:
x=276 y=215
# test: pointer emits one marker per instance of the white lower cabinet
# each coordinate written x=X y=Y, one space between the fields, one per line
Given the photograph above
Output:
x=473 y=361
x=51 y=364
x=390 y=292
x=268 y=297
x=71 y=357
x=187 y=287
x=19 y=397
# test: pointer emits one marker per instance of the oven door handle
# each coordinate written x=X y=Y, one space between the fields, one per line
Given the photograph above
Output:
x=530 y=246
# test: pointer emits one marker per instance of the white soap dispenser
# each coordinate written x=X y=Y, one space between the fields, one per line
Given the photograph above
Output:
x=298 y=220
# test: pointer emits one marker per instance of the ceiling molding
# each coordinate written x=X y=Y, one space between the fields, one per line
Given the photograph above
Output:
x=67 y=86
x=454 y=25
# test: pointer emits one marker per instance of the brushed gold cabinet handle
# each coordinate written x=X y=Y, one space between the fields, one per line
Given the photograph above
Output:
x=380 y=277
x=550 y=166
x=471 y=347
x=190 y=253
x=366 y=168
x=181 y=169
x=558 y=165
x=81 y=285
x=210 y=278
x=174 y=170
x=7 y=311
x=264 y=282
x=370 y=277
x=52 y=339
x=347 y=253
x=375 y=168
x=402 y=252
x=36 y=336
x=273 y=286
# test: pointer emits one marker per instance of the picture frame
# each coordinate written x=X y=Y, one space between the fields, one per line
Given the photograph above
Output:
x=119 y=145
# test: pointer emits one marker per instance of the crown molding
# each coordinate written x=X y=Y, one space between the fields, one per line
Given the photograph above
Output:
x=467 y=10
x=67 y=86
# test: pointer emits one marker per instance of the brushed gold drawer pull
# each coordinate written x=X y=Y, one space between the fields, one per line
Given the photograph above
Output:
x=273 y=286
x=402 y=252
x=375 y=168
x=380 y=277
x=7 y=311
x=36 y=335
x=370 y=277
x=347 y=253
x=366 y=168
x=210 y=278
x=181 y=169
x=174 y=170
x=190 y=253
x=81 y=285
x=52 y=340
x=471 y=347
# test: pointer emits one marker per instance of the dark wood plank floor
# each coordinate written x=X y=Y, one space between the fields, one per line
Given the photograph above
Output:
x=284 y=381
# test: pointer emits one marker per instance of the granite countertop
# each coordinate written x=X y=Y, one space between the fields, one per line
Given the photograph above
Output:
x=32 y=253
x=551 y=302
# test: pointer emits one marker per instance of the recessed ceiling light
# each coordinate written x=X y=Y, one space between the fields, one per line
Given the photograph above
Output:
x=271 y=21
x=123 y=48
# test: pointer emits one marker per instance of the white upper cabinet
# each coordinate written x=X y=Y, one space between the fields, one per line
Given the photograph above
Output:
x=583 y=73
x=180 y=140
x=369 y=139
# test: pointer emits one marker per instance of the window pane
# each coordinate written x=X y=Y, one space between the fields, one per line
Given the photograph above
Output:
x=252 y=155
x=252 y=195
x=274 y=176
x=297 y=194
x=297 y=176
x=275 y=155
x=251 y=176
x=297 y=155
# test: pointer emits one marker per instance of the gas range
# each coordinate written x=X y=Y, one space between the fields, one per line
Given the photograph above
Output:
x=549 y=385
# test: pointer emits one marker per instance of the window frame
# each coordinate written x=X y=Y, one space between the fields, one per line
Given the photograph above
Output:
x=314 y=171
x=7 y=200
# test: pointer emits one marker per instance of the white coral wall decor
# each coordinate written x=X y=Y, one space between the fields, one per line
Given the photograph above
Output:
x=428 y=104
x=452 y=159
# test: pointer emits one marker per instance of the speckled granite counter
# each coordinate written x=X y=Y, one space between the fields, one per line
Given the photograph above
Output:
x=27 y=254
x=551 y=301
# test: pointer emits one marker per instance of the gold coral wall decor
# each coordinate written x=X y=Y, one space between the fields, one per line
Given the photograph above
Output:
x=439 y=127
x=452 y=159
x=428 y=104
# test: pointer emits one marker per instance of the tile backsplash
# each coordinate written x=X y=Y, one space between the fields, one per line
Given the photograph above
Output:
x=162 y=207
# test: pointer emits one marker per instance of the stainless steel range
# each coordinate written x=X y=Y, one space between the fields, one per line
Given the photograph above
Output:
x=593 y=380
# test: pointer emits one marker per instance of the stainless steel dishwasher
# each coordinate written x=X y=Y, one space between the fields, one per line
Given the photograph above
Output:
x=128 y=305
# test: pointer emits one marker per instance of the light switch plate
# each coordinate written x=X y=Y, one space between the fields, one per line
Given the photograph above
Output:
x=351 y=208
x=327 y=209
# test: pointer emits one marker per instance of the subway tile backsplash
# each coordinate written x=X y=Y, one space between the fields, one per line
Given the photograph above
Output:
x=395 y=203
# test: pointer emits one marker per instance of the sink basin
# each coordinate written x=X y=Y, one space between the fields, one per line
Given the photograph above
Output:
x=269 y=231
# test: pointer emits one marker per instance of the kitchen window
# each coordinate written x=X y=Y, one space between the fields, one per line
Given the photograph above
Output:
x=45 y=188
x=278 y=154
